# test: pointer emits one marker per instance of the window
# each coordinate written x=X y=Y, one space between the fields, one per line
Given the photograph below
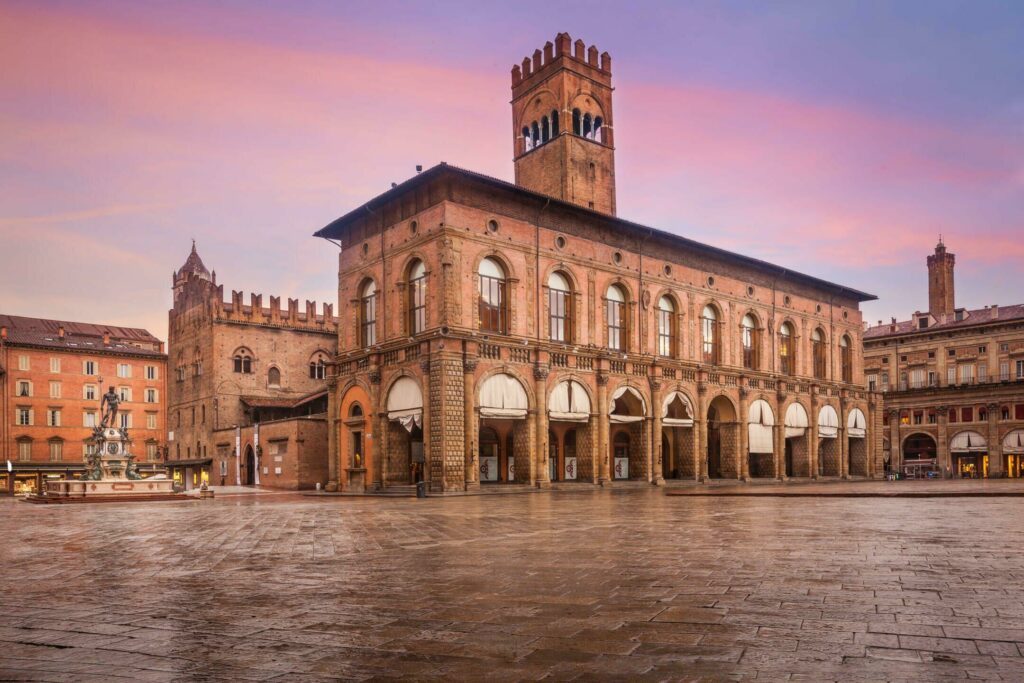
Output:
x=54 y=389
x=1020 y=369
x=126 y=420
x=368 y=314
x=25 y=450
x=952 y=414
x=150 y=372
x=317 y=368
x=559 y=305
x=273 y=377
x=1004 y=413
x=616 y=319
x=88 y=448
x=153 y=454
x=967 y=374
x=197 y=367
x=1018 y=411
x=89 y=418
x=89 y=392
x=922 y=323
x=55 y=365
x=150 y=420
x=818 y=351
x=967 y=414
x=24 y=417
x=151 y=396
x=951 y=375
x=89 y=367
x=958 y=316
x=711 y=340
x=492 y=297
x=124 y=370
x=1004 y=371
x=124 y=393
x=885 y=381
x=918 y=417
x=751 y=342
x=56 y=451
x=982 y=414
x=24 y=388
x=951 y=353
x=846 y=357
x=982 y=372
x=23 y=363
x=917 y=378
x=932 y=417
x=872 y=382
x=904 y=381
x=53 y=417
x=982 y=349
x=787 y=360
x=417 y=297
x=666 y=327
x=243 y=361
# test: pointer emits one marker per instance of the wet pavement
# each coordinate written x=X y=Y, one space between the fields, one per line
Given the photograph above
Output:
x=626 y=585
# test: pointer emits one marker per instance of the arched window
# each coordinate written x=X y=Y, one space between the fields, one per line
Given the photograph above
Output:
x=273 y=377
x=666 y=327
x=318 y=367
x=536 y=134
x=618 y=332
x=587 y=126
x=527 y=140
x=559 y=308
x=554 y=123
x=545 y=130
x=787 y=358
x=751 y=342
x=818 y=352
x=417 y=297
x=368 y=314
x=711 y=340
x=356 y=410
x=492 y=297
x=846 y=357
x=577 y=122
x=598 y=123
x=243 y=361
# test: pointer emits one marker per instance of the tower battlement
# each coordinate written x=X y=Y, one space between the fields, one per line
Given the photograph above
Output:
x=563 y=48
x=236 y=310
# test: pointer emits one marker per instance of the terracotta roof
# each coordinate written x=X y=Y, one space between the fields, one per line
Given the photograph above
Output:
x=334 y=228
x=282 y=401
x=79 y=336
x=971 y=318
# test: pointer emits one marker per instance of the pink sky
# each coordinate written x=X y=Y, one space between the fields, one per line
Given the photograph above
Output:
x=129 y=131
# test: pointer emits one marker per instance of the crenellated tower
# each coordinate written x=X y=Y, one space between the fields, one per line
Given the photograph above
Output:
x=562 y=124
x=941 y=295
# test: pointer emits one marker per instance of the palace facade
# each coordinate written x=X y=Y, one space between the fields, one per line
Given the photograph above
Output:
x=242 y=371
x=498 y=333
x=953 y=381
x=52 y=376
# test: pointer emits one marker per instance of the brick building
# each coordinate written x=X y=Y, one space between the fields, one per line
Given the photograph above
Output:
x=234 y=365
x=523 y=334
x=953 y=381
x=52 y=375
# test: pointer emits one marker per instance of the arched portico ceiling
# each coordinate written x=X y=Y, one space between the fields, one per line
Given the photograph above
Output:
x=797 y=422
x=856 y=425
x=627 y=405
x=828 y=423
x=1014 y=442
x=968 y=442
x=405 y=403
x=569 y=402
x=760 y=419
x=503 y=396
x=676 y=410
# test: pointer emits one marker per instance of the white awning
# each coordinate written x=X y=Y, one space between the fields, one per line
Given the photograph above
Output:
x=760 y=420
x=621 y=417
x=856 y=425
x=828 y=423
x=1014 y=442
x=796 y=421
x=503 y=396
x=405 y=403
x=968 y=442
x=673 y=401
x=569 y=402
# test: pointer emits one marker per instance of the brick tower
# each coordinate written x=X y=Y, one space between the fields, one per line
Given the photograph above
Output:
x=940 y=281
x=564 y=143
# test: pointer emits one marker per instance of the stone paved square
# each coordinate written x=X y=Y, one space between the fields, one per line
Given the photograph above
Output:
x=597 y=584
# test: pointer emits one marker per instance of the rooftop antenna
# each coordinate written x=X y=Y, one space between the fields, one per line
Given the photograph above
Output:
x=419 y=168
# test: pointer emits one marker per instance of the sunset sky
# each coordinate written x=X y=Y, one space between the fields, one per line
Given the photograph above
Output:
x=835 y=138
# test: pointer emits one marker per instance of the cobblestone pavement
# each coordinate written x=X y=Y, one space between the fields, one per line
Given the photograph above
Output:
x=630 y=585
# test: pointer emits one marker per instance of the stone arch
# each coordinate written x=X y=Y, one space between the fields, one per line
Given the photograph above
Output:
x=574 y=311
x=498 y=256
x=512 y=372
x=761 y=420
x=356 y=462
x=721 y=451
x=570 y=376
x=797 y=430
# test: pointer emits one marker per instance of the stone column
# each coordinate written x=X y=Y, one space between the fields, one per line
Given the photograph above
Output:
x=428 y=419
x=743 y=440
x=779 y=447
x=602 y=431
x=654 y=454
x=942 y=454
x=540 y=376
x=333 y=456
x=469 y=366
x=375 y=428
x=844 y=440
x=812 y=450
x=701 y=465
x=895 y=445
x=995 y=444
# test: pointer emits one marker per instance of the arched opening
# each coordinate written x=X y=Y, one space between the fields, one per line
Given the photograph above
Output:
x=1013 y=453
x=318 y=366
x=554 y=123
x=560 y=327
x=677 y=438
x=857 y=443
x=492 y=306
x=722 y=448
x=846 y=357
x=920 y=456
x=274 y=378
x=527 y=139
x=666 y=327
x=626 y=413
x=616 y=319
x=403 y=451
x=545 y=129
x=356 y=464
x=798 y=447
x=587 y=126
x=503 y=408
x=787 y=349
x=969 y=451
x=751 y=342
x=249 y=467
x=242 y=361
x=368 y=313
x=760 y=440
x=577 y=122
x=818 y=352
x=536 y=133
x=598 y=133
x=570 y=419
x=417 y=284
x=829 y=455
x=711 y=338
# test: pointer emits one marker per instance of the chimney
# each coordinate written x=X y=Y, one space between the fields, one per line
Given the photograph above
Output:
x=106 y=338
x=941 y=299
x=3 y=332
x=995 y=311
x=60 y=331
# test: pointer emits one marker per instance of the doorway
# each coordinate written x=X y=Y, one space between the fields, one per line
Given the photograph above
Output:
x=249 y=478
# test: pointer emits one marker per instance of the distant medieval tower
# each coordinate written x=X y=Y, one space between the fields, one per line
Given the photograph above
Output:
x=564 y=142
x=940 y=282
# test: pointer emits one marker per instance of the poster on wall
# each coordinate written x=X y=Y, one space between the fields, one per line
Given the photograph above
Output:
x=621 y=468
x=570 y=468
x=511 y=469
x=238 y=456
x=489 y=468
x=256 y=452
